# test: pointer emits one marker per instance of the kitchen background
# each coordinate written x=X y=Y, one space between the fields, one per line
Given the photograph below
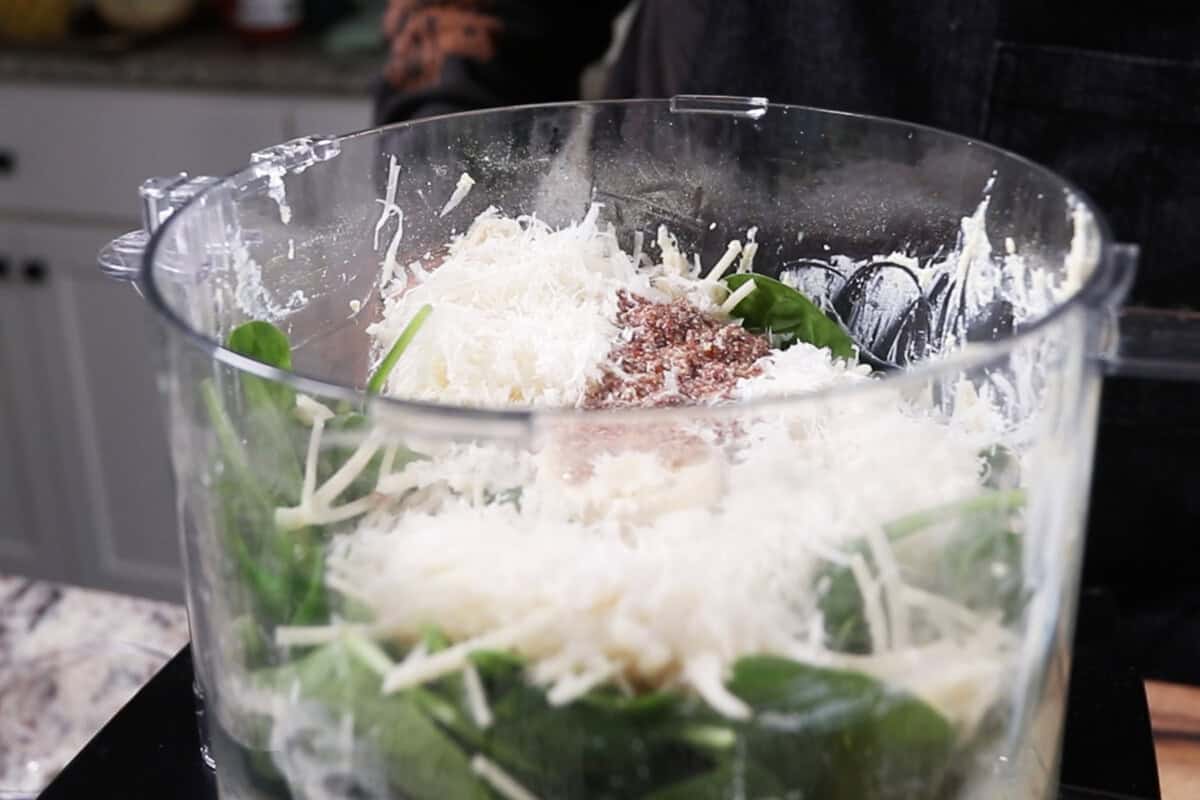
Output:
x=101 y=98
x=95 y=96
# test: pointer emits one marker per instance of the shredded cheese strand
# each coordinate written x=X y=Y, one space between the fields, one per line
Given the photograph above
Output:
x=310 y=463
x=454 y=658
x=891 y=586
x=354 y=466
x=504 y=784
x=313 y=635
x=477 y=702
x=737 y=296
x=731 y=252
x=465 y=182
x=704 y=674
x=389 y=201
x=877 y=629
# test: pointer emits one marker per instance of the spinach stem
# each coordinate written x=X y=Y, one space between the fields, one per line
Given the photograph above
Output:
x=902 y=527
x=227 y=439
x=379 y=379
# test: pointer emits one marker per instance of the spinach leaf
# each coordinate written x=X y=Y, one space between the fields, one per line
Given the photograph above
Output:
x=497 y=668
x=244 y=511
x=638 y=706
x=981 y=505
x=816 y=733
x=421 y=762
x=265 y=343
x=789 y=316
x=839 y=734
x=841 y=607
x=589 y=748
x=434 y=639
x=605 y=744
x=274 y=437
x=379 y=379
x=745 y=779
x=257 y=469
x=976 y=562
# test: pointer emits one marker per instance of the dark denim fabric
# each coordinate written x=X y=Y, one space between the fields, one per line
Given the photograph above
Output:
x=1106 y=94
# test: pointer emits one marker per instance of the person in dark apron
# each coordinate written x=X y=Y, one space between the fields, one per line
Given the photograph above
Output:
x=1105 y=93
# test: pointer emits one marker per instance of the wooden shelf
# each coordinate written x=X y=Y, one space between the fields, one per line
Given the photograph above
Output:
x=1175 y=717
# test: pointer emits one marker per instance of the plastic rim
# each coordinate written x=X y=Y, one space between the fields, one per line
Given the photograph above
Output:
x=1098 y=289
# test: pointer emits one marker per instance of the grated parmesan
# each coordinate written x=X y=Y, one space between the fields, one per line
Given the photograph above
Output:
x=461 y=189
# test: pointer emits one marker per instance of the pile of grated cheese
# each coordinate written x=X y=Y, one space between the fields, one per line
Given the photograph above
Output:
x=523 y=315
x=644 y=554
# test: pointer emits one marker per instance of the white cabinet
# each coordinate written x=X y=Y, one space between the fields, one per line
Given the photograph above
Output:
x=83 y=151
x=33 y=518
x=86 y=492
x=92 y=480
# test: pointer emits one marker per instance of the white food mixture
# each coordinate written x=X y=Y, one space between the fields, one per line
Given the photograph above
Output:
x=645 y=554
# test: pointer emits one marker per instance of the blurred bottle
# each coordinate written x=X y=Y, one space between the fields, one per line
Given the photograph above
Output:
x=144 y=16
x=40 y=21
x=265 y=20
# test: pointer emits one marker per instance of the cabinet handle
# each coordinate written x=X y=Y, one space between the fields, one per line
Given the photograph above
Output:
x=5 y=268
x=35 y=271
x=8 y=162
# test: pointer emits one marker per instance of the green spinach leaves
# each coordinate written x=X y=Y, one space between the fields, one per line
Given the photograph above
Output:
x=788 y=316
x=815 y=733
x=968 y=552
x=379 y=379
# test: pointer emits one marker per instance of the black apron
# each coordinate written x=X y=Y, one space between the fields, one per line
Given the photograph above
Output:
x=1104 y=93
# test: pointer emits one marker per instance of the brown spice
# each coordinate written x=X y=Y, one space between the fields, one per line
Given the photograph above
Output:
x=674 y=354
x=578 y=444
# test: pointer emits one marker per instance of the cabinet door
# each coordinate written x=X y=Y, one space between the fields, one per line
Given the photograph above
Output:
x=115 y=454
x=84 y=151
x=35 y=525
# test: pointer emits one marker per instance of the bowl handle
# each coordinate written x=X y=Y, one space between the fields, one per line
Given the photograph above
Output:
x=1154 y=343
x=161 y=197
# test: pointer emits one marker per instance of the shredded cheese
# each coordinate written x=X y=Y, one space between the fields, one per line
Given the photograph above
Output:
x=553 y=294
x=390 y=208
x=465 y=182
x=481 y=713
x=746 y=264
x=737 y=296
x=504 y=784
x=731 y=252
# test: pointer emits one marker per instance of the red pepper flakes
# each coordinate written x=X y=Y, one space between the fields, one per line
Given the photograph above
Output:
x=674 y=354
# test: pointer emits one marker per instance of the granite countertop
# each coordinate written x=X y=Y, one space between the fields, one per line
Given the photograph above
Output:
x=205 y=60
x=69 y=659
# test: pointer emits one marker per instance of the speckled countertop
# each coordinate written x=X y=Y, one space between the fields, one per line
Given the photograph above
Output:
x=69 y=659
x=201 y=61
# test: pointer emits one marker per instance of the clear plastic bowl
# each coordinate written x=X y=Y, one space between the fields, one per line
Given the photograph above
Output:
x=937 y=672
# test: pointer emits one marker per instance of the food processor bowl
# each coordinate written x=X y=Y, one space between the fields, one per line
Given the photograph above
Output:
x=881 y=606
